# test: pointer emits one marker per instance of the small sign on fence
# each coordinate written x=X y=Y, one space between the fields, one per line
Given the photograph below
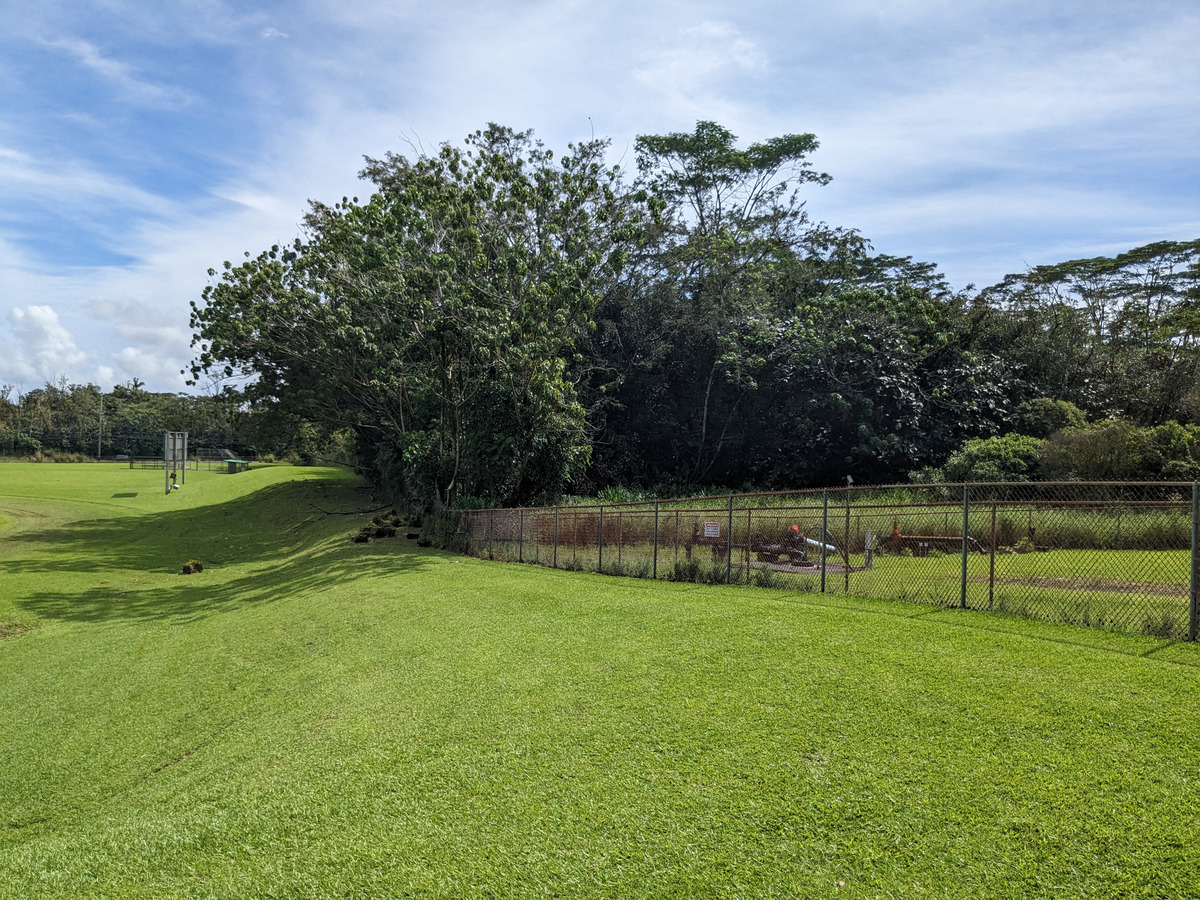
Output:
x=712 y=529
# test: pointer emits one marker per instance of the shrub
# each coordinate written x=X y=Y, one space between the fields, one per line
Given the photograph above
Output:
x=1117 y=450
x=686 y=570
x=1103 y=451
x=1012 y=457
x=1042 y=417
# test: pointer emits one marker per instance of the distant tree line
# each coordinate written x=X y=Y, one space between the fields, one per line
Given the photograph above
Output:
x=64 y=420
x=502 y=323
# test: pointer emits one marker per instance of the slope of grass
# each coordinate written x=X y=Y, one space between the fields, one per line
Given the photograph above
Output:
x=310 y=717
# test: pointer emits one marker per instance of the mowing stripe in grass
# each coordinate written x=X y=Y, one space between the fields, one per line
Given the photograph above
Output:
x=312 y=717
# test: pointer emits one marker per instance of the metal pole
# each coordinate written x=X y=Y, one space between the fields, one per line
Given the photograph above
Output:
x=846 y=545
x=992 y=563
x=749 y=513
x=655 y=569
x=554 y=557
x=1194 y=610
x=491 y=528
x=962 y=596
x=521 y=535
x=729 y=544
x=824 y=532
x=600 y=560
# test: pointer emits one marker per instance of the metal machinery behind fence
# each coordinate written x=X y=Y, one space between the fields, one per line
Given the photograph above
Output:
x=1121 y=556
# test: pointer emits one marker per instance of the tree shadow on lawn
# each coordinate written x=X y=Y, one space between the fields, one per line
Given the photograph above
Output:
x=268 y=524
x=288 y=545
x=195 y=597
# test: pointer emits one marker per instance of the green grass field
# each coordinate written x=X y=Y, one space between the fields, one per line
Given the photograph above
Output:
x=309 y=717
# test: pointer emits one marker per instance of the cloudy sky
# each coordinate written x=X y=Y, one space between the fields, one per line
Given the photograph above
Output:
x=142 y=143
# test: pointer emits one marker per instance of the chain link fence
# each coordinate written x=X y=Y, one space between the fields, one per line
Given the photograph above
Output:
x=1118 y=556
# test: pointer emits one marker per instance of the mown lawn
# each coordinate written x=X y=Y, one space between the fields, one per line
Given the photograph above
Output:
x=313 y=718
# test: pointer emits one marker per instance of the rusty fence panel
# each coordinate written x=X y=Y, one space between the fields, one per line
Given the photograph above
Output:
x=1119 y=556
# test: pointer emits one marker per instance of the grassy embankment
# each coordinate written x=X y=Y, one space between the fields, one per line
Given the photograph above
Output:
x=310 y=717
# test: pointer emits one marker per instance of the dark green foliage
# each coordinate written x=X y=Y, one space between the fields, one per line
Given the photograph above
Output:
x=434 y=319
x=1041 y=417
x=751 y=345
x=1117 y=336
x=1013 y=457
x=497 y=325
x=62 y=418
x=1118 y=450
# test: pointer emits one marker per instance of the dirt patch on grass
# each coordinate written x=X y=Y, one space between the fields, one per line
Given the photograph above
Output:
x=1107 y=585
x=12 y=629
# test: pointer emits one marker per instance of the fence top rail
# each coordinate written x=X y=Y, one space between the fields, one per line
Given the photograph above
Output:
x=712 y=502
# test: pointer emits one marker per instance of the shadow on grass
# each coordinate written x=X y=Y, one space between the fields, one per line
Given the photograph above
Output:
x=278 y=538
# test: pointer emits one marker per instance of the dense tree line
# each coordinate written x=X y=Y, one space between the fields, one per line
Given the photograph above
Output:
x=63 y=419
x=499 y=322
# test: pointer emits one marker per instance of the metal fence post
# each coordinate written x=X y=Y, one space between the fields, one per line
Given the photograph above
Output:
x=962 y=596
x=749 y=529
x=729 y=544
x=521 y=535
x=655 y=569
x=846 y=545
x=600 y=536
x=554 y=558
x=491 y=528
x=992 y=562
x=1194 y=608
x=824 y=533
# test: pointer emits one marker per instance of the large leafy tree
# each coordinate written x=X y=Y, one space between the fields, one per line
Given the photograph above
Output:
x=687 y=337
x=1117 y=336
x=436 y=319
x=752 y=344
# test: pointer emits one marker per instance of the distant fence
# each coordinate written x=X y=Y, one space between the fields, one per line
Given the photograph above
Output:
x=1120 y=556
x=157 y=462
x=210 y=463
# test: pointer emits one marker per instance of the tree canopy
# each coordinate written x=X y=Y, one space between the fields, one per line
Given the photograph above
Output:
x=435 y=319
x=496 y=321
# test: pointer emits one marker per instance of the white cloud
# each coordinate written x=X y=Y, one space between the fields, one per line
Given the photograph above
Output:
x=72 y=188
x=693 y=73
x=121 y=75
x=147 y=366
x=44 y=349
x=971 y=134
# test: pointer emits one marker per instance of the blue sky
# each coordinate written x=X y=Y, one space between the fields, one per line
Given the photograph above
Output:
x=142 y=143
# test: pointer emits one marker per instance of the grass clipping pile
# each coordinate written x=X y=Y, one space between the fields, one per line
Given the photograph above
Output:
x=387 y=525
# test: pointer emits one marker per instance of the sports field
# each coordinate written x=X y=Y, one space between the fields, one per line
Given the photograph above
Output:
x=309 y=717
